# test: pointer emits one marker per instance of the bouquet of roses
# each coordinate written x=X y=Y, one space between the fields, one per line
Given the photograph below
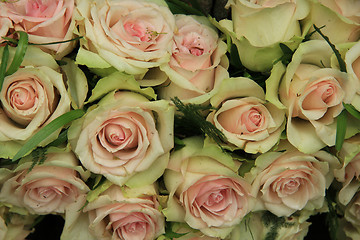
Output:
x=151 y=119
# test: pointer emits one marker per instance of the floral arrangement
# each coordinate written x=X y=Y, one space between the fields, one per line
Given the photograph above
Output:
x=148 y=119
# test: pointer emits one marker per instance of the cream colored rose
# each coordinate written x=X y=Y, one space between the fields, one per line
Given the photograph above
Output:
x=314 y=92
x=131 y=36
x=31 y=98
x=205 y=190
x=44 y=21
x=247 y=121
x=198 y=62
x=123 y=136
x=285 y=182
x=118 y=215
x=340 y=18
x=47 y=188
x=352 y=60
x=260 y=49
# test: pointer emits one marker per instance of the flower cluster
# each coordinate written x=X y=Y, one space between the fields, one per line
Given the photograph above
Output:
x=136 y=119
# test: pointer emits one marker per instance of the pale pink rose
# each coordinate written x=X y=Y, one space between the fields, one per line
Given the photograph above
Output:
x=131 y=36
x=290 y=181
x=5 y=26
x=352 y=61
x=31 y=98
x=123 y=137
x=198 y=62
x=205 y=191
x=340 y=18
x=47 y=188
x=44 y=21
x=352 y=211
x=243 y=116
x=114 y=215
x=314 y=92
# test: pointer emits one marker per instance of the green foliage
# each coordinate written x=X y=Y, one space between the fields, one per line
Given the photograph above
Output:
x=340 y=129
x=180 y=7
x=194 y=121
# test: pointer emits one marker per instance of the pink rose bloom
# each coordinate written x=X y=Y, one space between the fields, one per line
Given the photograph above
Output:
x=205 y=190
x=129 y=35
x=31 y=98
x=115 y=215
x=286 y=182
x=244 y=117
x=47 y=188
x=198 y=62
x=44 y=21
x=123 y=137
x=313 y=90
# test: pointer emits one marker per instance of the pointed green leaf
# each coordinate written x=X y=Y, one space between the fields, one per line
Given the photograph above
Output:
x=19 y=54
x=340 y=130
x=47 y=131
x=4 y=60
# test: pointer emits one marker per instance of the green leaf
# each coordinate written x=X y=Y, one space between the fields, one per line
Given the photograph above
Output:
x=19 y=54
x=4 y=60
x=192 y=116
x=342 y=64
x=47 y=131
x=287 y=54
x=180 y=7
x=352 y=110
x=169 y=233
x=340 y=130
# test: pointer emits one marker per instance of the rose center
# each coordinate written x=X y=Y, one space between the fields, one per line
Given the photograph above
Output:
x=252 y=119
x=39 y=8
x=194 y=45
x=115 y=134
x=135 y=227
x=327 y=94
x=214 y=198
x=23 y=98
x=140 y=31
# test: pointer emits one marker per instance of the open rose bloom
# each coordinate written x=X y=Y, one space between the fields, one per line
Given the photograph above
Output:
x=247 y=121
x=48 y=188
x=125 y=135
x=131 y=36
x=44 y=21
x=314 y=92
x=198 y=63
x=120 y=215
x=205 y=191
x=289 y=181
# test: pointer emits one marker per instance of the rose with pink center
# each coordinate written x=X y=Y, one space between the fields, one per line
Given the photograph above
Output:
x=131 y=35
x=47 y=188
x=205 y=190
x=198 y=62
x=291 y=181
x=30 y=98
x=247 y=121
x=123 y=136
x=313 y=90
x=114 y=215
x=44 y=21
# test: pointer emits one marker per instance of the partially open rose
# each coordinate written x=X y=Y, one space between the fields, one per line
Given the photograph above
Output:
x=44 y=21
x=198 y=62
x=116 y=214
x=131 y=36
x=285 y=182
x=31 y=98
x=247 y=121
x=47 y=188
x=126 y=134
x=205 y=190
x=313 y=92
x=352 y=60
